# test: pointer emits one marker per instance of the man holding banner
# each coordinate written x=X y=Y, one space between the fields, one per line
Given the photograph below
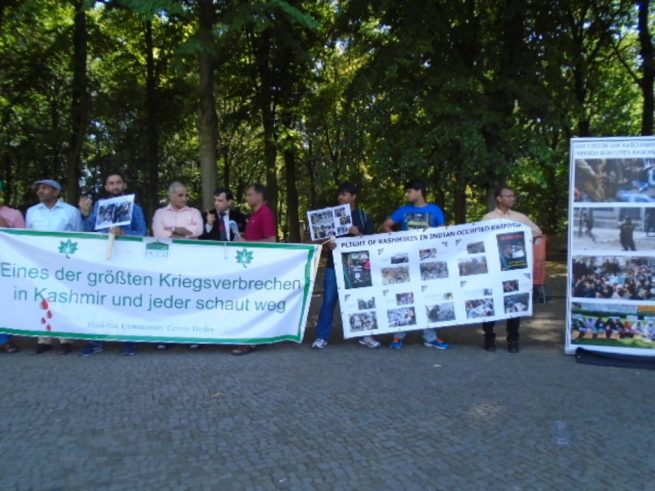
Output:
x=9 y=218
x=505 y=199
x=362 y=225
x=115 y=186
x=418 y=214
x=261 y=227
x=52 y=215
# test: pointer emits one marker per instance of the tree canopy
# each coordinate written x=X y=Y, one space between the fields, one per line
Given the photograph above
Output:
x=302 y=95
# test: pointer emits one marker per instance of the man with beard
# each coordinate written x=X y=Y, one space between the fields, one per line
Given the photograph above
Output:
x=115 y=185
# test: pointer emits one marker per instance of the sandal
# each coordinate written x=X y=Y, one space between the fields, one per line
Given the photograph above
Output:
x=243 y=350
x=10 y=347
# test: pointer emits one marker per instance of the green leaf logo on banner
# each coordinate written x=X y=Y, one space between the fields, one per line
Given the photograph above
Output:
x=68 y=247
x=244 y=257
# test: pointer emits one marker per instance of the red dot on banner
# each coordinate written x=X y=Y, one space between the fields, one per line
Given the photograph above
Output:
x=44 y=304
x=43 y=321
x=49 y=314
x=48 y=327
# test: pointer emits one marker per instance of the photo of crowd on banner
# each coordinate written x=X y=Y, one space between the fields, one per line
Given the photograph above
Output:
x=610 y=324
x=409 y=284
x=614 y=277
x=612 y=255
x=329 y=222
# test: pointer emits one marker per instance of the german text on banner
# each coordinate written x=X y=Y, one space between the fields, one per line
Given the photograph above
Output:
x=435 y=277
x=62 y=284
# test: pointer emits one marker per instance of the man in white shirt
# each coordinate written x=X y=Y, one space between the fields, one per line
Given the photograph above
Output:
x=52 y=215
x=505 y=199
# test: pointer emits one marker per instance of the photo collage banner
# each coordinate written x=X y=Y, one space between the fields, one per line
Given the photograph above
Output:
x=437 y=277
x=611 y=296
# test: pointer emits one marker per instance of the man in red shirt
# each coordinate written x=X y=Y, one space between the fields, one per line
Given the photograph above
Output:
x=261 y=227
x=262 y=224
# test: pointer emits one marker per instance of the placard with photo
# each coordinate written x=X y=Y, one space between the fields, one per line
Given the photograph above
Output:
x=114 y=212
x=329 y=222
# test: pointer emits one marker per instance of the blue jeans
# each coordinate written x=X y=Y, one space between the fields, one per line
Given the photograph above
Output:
x=4 y=339
x=330 y=298
x=429 y=335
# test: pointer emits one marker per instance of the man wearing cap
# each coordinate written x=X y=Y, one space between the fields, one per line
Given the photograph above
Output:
x=52 y=215
x=9 y=218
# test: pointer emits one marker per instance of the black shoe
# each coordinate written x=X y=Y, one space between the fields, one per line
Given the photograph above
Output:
x=513 y=346
x=66 y=348
x=42 y=348
x=489 y=343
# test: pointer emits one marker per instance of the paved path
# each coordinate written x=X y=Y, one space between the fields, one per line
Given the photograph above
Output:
x=347 y=418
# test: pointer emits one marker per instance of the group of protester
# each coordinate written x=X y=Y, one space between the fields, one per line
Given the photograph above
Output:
x=416 y=214
x=631 y=281
x=613 y=327
x=224 y=223
x=175 y=220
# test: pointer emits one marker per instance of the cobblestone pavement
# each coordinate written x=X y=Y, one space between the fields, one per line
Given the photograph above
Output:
x=347 y=418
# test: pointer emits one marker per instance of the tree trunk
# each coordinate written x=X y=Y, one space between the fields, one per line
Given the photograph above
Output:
x=460 y=196
x=207 y=120
x=293 y=223
x=79 y=103
x=311 y=176
x=648 y=69
x=266 y=102
x=152 y=131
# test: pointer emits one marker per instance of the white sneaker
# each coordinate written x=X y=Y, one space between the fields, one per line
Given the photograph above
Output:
x=319 y=343
x=369 y=342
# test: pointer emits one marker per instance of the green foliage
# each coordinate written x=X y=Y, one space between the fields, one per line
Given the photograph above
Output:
x=465 y=94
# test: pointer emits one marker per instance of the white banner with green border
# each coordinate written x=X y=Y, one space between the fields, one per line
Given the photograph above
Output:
x=75 y=285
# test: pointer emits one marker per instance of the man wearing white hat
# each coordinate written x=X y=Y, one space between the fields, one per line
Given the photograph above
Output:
x=52 y=215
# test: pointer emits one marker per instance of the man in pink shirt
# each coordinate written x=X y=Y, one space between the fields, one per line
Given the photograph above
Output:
x=9 y=218
x=261 y=227
x=177 y=220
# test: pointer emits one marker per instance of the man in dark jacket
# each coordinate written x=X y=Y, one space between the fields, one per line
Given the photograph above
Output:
x=223 y=223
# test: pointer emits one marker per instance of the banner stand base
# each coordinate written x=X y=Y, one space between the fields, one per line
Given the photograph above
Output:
x=590 y=357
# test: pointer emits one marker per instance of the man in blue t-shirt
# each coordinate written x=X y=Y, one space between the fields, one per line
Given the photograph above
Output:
x=418 y=214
